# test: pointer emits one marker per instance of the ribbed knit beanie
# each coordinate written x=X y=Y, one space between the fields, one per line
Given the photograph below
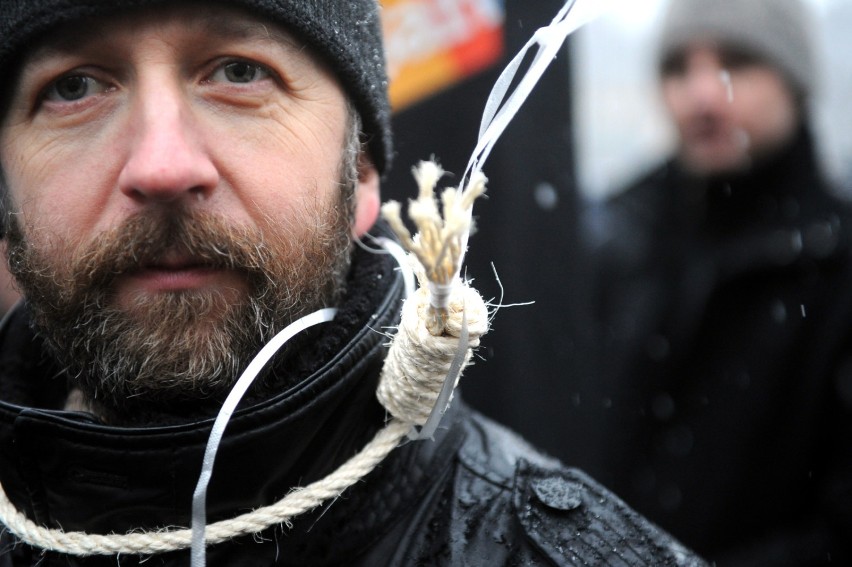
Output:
x=778 y=31
x=347 y=34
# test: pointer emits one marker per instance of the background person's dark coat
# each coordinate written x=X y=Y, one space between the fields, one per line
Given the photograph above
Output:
x=726 y=391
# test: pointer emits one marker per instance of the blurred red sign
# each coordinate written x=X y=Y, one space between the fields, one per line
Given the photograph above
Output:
x=432 y=44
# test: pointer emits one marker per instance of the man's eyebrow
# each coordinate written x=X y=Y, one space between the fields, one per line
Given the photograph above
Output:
x=60 y=43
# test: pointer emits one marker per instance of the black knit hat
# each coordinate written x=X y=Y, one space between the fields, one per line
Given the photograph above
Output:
x=345 y=33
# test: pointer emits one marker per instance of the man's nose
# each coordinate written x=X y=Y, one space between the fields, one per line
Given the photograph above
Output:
x=710 y=86
x=167 y=159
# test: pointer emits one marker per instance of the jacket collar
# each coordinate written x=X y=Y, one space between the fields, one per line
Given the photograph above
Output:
x=780 y=191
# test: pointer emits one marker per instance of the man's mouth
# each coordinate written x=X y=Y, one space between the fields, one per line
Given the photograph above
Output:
x=173 y=276
x=174 y=264
x=176 y=272
x=704 y=129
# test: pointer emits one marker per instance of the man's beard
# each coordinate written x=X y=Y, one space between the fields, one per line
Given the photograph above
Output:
x=184 y=344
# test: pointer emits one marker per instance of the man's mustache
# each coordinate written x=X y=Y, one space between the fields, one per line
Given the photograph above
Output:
x=156 y=239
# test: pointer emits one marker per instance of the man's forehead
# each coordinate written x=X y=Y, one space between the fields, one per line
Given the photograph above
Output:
x=215 y=22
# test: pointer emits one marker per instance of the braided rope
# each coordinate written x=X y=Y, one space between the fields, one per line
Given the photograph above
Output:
x=296 y=502
x=413 y=375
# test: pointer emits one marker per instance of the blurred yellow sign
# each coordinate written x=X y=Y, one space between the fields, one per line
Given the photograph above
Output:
x=432 y=44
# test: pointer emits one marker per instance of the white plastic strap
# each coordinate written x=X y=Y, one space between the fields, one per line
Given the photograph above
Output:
x=502 y=106
x=400 y=255
x=439 y=295
x=8 y=315
x=199 y=498
x=443 y=401
x=500 y=109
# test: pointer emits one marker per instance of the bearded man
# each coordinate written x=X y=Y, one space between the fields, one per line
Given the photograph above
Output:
x=723 y=298
x=181 y=181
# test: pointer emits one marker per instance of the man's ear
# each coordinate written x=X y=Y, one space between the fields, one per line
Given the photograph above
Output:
x=367 y=199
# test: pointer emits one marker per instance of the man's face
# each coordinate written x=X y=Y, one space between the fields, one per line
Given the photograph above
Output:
x=729 y=109
x=182 y=184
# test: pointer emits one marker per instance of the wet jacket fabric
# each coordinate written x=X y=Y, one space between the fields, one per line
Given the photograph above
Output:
x=726 y=311
x=475 y=495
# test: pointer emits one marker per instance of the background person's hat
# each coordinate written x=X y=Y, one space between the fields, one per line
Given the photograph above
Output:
x=777 y=31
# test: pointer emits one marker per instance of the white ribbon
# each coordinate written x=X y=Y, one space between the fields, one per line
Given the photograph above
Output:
x=400 y=255
x=442 y=403
x=500 y=108
x=199 y=498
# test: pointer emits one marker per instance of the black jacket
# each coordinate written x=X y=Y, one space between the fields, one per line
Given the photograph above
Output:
x=476 y=495
x=726 y=310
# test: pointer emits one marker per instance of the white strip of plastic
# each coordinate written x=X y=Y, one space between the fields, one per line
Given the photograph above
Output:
x=443 y=402
x=199 y=498
x=401 y=256
x=500 y=108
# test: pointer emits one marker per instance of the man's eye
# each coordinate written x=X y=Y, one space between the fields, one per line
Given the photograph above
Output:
x=73 y=87
x=673 y=65
x=240 y=72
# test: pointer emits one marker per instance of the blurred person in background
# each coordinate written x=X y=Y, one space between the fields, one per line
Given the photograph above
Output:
x=725 y=302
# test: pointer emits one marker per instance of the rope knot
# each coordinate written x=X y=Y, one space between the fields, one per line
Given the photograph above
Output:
x=442 y=322
x=418 y=361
